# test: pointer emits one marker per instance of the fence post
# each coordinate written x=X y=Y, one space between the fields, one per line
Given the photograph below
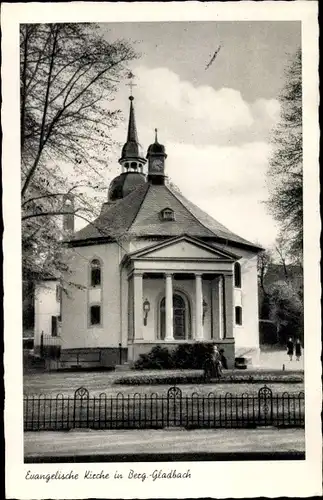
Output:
x=42 y=344
x=120 y=353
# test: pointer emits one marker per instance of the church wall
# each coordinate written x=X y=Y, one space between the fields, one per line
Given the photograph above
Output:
x=46 y=306
x=247 y=335
x=76 y=329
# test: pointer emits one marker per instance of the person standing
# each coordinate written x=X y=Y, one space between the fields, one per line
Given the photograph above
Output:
x=223 y=359
x=298 y=349
x=290 y=348
x=217 y=362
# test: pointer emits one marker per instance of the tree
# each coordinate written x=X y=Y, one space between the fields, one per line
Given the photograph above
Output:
x=286 y=311
x=263 y=263
x=285 y=173
x=69 y=76
x=280 y=293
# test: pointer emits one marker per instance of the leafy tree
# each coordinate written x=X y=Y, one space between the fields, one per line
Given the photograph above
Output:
x=286 y=310
x=280 y=292
x=69 y=75
x=285 y=173
x=264 y=261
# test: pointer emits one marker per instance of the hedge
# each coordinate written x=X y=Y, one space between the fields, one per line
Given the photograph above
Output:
x=198 y=378
x=185 y=356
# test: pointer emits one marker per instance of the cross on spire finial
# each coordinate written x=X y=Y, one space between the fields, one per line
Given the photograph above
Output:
x=131 y=77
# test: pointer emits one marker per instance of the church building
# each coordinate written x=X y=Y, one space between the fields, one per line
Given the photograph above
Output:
x=154 y=269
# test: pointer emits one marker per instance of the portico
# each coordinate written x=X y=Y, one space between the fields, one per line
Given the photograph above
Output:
x=175 y=297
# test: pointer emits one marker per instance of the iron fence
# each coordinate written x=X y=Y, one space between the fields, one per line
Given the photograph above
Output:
x=153 y=411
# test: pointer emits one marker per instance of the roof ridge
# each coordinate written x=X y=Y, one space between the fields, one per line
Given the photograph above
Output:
x=223 y=228
x=147 y=186
x=193 y=215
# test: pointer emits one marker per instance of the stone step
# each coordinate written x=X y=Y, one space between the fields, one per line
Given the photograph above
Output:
x=123 y=368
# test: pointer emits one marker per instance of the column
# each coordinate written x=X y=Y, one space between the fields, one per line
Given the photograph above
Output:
x=228 y=306
x=198 y=307
x=217 y=308
x=138 y=310
x=169 y=308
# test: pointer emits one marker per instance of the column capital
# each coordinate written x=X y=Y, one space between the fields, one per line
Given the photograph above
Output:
x=137 y=273
x=198 y=273
x=168 y=275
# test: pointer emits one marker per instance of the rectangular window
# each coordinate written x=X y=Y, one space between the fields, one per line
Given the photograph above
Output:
x=95 y=315
x=54 y=326
x=238 y=314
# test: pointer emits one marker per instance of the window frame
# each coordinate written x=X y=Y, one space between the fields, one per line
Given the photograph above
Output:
x=167 y=214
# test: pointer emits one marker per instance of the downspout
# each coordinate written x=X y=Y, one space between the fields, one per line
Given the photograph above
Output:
x=120 y=296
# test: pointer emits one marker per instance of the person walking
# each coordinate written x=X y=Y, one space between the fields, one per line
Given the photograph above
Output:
x=290 y=348
x=298 y=349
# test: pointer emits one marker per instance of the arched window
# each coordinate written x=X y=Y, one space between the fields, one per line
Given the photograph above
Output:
x=181 y=318
x=95 y=272
x=238 y=315
x=237 y=275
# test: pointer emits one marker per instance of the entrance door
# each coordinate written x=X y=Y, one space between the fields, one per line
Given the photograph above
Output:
x=180 y=316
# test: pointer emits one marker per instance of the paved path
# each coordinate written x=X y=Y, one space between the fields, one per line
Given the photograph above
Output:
x=275 y=360
x=90 y=442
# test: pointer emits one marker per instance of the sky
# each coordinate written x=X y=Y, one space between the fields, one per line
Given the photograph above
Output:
x=215 y=123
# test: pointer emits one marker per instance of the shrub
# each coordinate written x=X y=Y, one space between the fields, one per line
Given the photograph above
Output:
x=158 y=358
x=192 y=356
x=185 y=356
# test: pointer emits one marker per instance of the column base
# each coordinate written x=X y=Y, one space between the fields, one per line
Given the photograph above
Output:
x=169 y=339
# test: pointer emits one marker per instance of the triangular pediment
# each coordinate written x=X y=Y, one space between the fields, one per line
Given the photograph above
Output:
x=183 y=248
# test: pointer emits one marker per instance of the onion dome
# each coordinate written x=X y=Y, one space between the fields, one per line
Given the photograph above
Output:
x=156 y=148
x=124 y=184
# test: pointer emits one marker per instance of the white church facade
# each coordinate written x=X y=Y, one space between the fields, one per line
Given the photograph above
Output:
x=154 y=269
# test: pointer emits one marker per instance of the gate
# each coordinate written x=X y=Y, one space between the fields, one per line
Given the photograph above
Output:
x=81 y=413
x=174 y=407
x=265 y=401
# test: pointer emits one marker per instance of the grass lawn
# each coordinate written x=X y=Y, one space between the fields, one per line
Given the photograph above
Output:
x=66 y=383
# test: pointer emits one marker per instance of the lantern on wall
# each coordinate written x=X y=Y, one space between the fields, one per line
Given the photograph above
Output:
x=146 y=308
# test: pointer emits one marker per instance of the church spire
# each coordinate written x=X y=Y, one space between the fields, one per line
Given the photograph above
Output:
x=132 y=158
x=132 y=129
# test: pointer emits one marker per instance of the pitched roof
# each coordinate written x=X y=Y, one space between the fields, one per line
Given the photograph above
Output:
x=115 y=218
x=138 y=215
